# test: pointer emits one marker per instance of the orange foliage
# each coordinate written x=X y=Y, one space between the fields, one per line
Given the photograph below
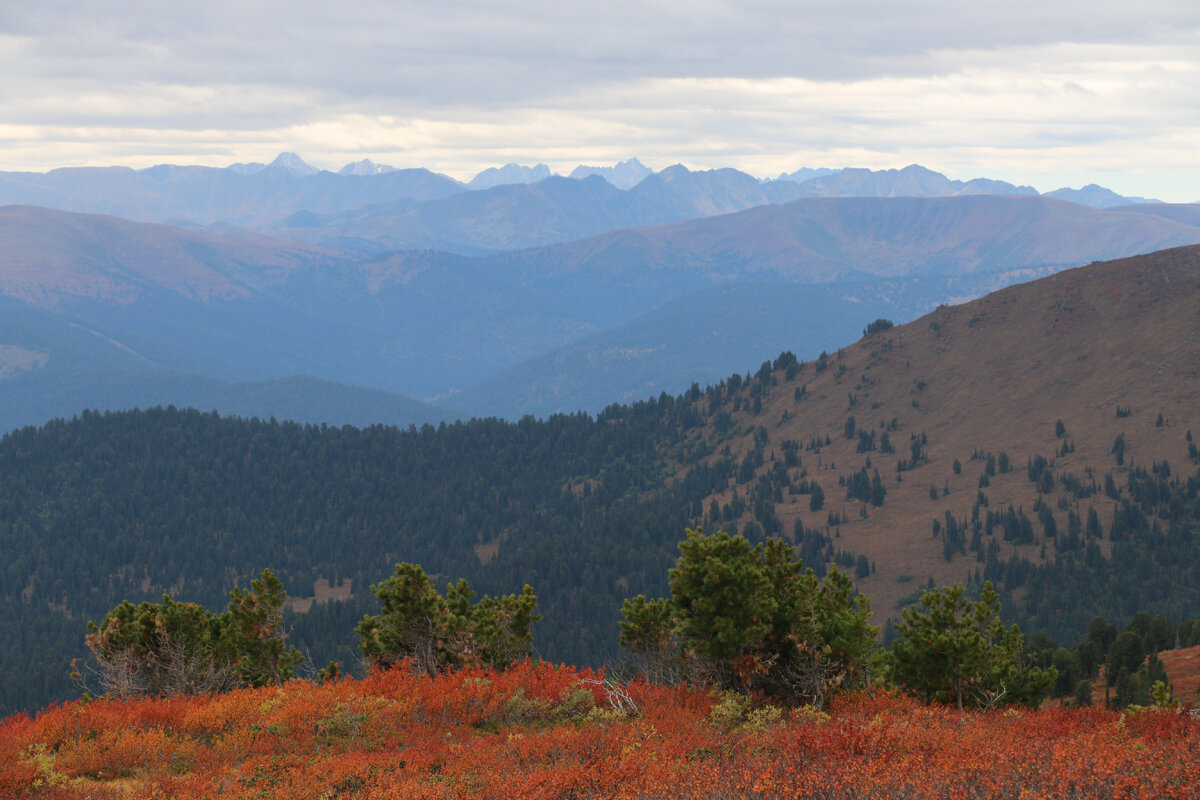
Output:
x=531 y=732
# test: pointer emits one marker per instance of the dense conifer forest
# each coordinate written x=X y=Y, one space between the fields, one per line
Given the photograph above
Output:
x=131 y=505
x=128 y=506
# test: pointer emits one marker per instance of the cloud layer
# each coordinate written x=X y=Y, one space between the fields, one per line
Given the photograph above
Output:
x=1035 y=92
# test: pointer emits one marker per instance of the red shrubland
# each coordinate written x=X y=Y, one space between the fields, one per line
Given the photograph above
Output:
x=538 y=731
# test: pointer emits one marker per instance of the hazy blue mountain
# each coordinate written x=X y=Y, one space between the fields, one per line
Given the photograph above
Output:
x=515 y=216
x=56 y=363
x=515 y=306
x=623 y=175
x=291 y=162
x=509 y=173
x=49 y=258
x=680 y=193
x=31 y=401
x=506 y=217
x=805 y=174
x=917 y=181
x=247 y=168
x=702 y=338
x=821 y=240
x=107 y=295
x=365 y=167
x=245 y=196
x=912 y=181
x=1180 y=212
x=372 y=208
x=1096 y=197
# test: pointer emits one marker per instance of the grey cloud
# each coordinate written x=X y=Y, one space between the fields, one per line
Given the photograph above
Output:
x=407 y=55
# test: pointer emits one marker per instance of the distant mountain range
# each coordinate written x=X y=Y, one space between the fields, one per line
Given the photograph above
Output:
x=93 y=302
x=519 y=292
x=256 y=195
x=518 y=216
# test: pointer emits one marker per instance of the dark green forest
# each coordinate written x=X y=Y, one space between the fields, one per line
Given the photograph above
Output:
x=587 y=510
x=120 y=506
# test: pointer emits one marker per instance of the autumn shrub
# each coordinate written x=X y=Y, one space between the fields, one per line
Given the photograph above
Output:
x=537 y=731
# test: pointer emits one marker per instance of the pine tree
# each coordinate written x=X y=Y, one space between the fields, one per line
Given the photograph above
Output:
x=959 y=651
x=753 y=618
x=723 y=601
x=254 y=628
x=445 y=632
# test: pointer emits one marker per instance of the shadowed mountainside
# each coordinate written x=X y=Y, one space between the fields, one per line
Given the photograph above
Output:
x=241 y=307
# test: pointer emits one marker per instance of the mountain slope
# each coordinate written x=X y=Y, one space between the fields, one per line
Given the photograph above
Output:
x=818 y=240
x=588 y=511
x=239 y=307
x=1095 y=196
x=553 y=210
x=1106 y=349
x=699 y=338
x=48 y=258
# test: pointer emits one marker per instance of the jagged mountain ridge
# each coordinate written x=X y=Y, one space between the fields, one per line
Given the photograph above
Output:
x=911 y=181
x=258 y=195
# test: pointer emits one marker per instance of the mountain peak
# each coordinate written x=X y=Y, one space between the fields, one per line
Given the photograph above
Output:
x=623 y=175
x=508 y=174
x=364 y=167
x=674 y=172
x=1096 y=196
x=292 y=163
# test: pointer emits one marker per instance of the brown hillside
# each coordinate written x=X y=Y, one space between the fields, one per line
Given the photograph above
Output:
x=1183 y=674
x=992 y=375
x=1183 y=671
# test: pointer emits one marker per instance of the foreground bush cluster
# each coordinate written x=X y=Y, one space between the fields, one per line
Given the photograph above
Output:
x=538 y=731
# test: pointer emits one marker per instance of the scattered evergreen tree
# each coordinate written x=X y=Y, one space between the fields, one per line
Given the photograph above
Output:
x=755 y=618
x=878 y=326
x=445 y=632
x=816 y=500
x=648 y=633
x=958 y=651
x=182 y=648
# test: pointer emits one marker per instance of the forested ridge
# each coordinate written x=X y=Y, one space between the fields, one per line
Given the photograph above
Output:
x=1019 y=439
x=129 y=505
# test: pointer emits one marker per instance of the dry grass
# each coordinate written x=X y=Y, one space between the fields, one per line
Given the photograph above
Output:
x=995 y=375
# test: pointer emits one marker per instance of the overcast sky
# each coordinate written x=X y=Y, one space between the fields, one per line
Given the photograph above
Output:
x=1044 y=92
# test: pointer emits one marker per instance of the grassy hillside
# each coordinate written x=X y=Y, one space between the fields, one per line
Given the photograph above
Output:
x=1110 y=349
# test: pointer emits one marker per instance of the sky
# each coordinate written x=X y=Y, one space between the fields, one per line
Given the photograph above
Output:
x=1048 y=93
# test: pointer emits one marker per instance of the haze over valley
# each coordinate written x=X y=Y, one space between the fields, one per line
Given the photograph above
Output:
x=403 y=296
